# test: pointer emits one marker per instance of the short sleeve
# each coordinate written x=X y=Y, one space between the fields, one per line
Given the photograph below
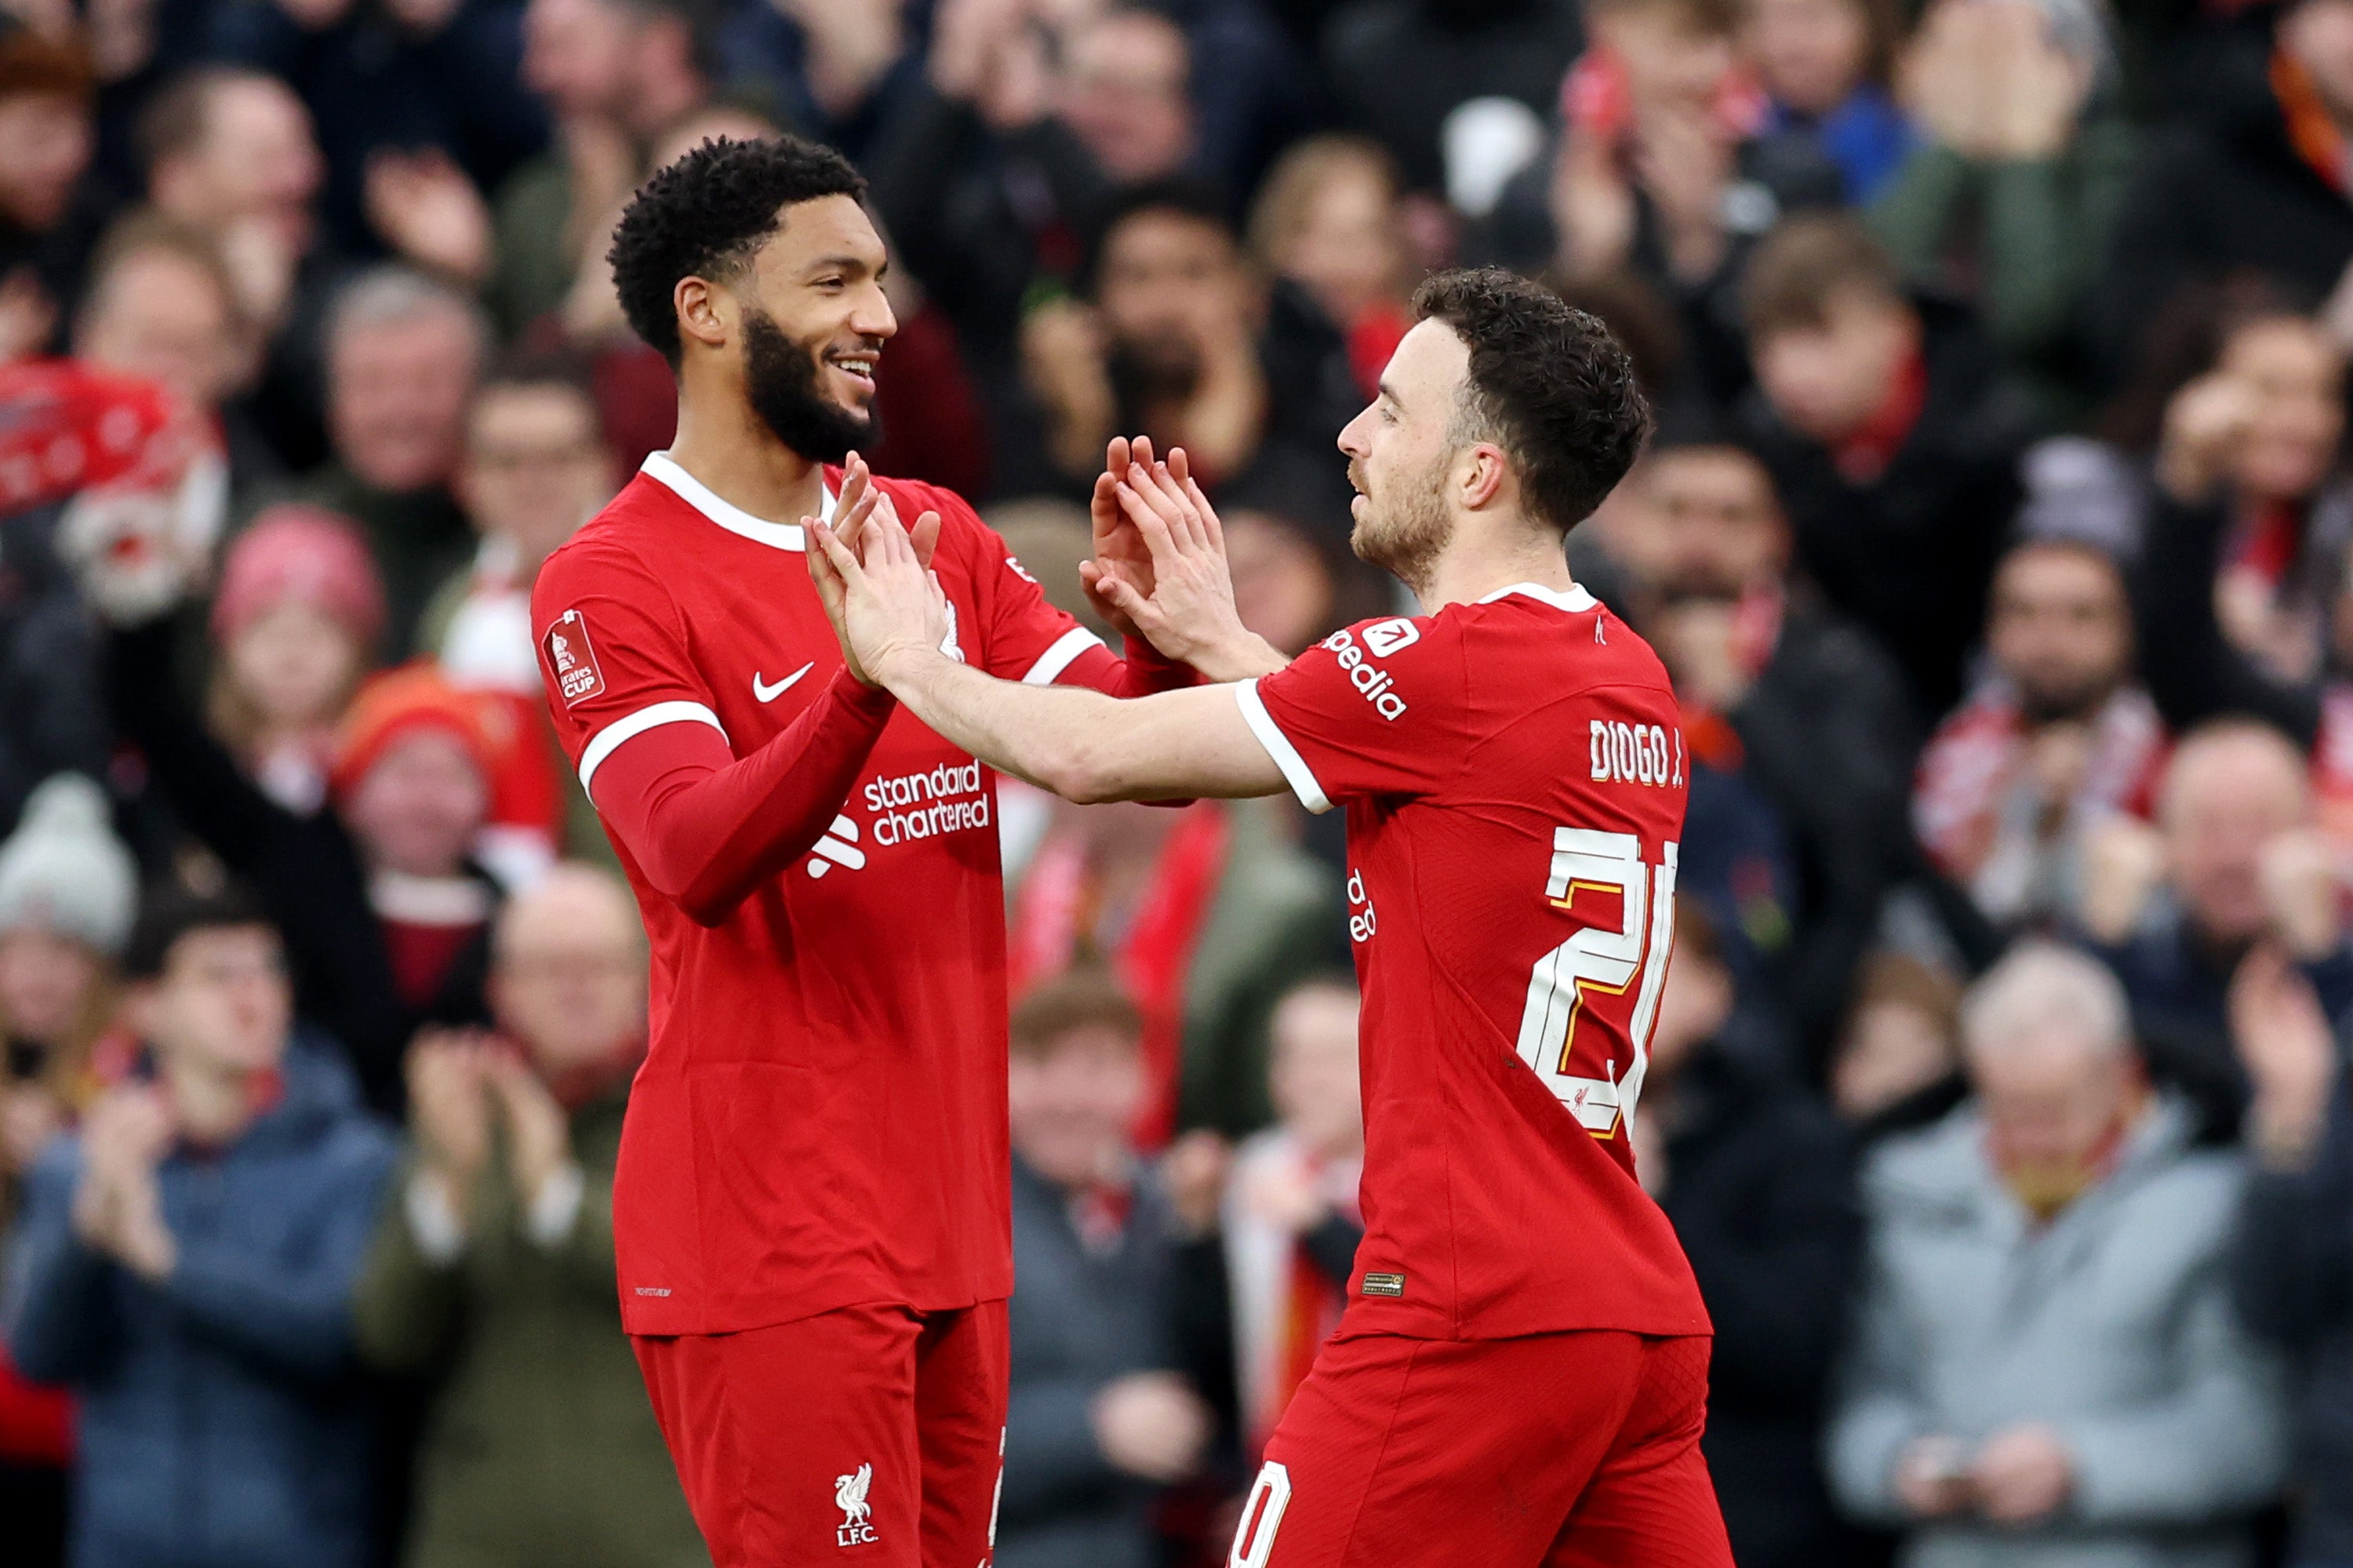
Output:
x=1023 y=637
x=1377 y=708
x=612 y=653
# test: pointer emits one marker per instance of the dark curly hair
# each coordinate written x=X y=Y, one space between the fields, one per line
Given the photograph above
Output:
x=1548 y=384
x=707 y=213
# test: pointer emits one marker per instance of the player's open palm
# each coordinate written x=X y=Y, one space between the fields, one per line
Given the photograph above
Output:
x=1187 y=609
x=882 y=599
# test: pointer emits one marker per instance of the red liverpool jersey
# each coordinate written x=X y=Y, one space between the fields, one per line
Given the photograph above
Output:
x=821 y=1119
x=1515 y=782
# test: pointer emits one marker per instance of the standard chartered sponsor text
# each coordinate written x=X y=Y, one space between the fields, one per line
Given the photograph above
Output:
x=945 y=799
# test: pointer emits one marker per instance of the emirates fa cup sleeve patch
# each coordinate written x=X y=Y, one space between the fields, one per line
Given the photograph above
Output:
x=573 y=658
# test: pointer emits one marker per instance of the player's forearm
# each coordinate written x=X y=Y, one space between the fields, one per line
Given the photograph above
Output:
x=706 y=828
x=1035 y=732
x=1242 y=658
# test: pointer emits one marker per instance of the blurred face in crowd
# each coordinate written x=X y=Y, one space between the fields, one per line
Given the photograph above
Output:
x=814 y=318
x=1348 y=250
x=1694 y=1004
x=418 y=809
x=1400 y=451
x=1826 y=380
x=2318 y=36
x=2226 y=796
x=1892 y=1050
x=1283 y=589
x=1071 y=1100
x=576 y=55
x=2052 y=1102
x=1716 y=529
x=1123 y=94
x=256 y=162
x=1167 y=282
x=568 y=980
x=396 y=393
x=1313 y=1071
x=2295 y=379
x=536 y=466
x=1674 y=59
x=159 y=315
x=1811 y=53
x=2060 y=630
x=46 y=141
x=46 y=983
x=222 y=1005
x=295 y=665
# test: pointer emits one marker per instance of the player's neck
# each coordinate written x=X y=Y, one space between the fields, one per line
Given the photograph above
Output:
x=739 y=461
x=1471 y=569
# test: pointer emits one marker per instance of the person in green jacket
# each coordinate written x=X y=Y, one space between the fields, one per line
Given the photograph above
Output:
x=2013 y=191
x=492 y=1267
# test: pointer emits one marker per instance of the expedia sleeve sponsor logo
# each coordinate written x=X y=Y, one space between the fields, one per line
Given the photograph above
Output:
x=1373 y=682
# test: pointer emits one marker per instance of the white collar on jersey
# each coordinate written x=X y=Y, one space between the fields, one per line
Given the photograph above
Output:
x=664 y=469
x=1575 y=601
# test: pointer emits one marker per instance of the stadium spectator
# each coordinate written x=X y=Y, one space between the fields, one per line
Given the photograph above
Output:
x=2009 y=193
x=2047 y=1367
x=1327 y=222
x=612 y=74
x=2232 y=864
x=403 y=355
x=159 y=303
x=1174 y=343
x=296 y=621
x=1398 y=68
x=1097 y=1419
x=185 y=1263
x=2056 y=739
x=1287 y=1221
x=2256 y=183
x=49 y=212
x=1755 y=1173
x=1897 y=1062
x=385 y=912
x=2294 y=1266
x=493 y=1268
x=1893 y=442
x=1826 y=67
x=1124 y=92
x=1205 y=913
x=231 y=152
x=1784 y=698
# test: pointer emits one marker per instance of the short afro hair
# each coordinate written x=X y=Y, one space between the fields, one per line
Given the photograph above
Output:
x=707 y=213
x=1548 y=384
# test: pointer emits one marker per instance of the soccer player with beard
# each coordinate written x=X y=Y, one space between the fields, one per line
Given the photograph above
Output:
x=1520 y=1376
x=810 y=1212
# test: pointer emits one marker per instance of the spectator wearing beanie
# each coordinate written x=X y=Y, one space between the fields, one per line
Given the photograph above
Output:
x=295 y=626
x=66 y=893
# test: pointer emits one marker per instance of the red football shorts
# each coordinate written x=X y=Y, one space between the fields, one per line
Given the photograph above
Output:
x=1555 y=1451
x=871 y=1437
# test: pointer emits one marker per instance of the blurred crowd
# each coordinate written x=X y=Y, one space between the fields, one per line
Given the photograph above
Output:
x=1998 y=533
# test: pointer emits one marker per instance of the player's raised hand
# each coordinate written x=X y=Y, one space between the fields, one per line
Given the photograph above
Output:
x=1187 y=612
x=886 y=609
x=1121 y=553
x=862 y=500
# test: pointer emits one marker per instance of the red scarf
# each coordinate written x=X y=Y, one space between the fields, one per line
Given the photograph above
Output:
x=2311 y=130
x=1865 y=453
x=1053 y=924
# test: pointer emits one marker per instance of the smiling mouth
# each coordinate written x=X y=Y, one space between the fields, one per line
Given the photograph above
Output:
x=857 y=364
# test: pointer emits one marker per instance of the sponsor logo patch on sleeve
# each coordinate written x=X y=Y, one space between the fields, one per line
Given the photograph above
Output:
x=573 y=658
x=1384 y=1283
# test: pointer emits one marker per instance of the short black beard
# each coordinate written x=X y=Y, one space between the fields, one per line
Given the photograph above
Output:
x=2081 y=704
x=780 y=382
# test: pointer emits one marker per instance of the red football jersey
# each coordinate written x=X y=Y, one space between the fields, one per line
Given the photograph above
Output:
x=1515 y=781
x=821 y=1119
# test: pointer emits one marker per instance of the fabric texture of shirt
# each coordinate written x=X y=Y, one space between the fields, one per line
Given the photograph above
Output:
x=1514 y=779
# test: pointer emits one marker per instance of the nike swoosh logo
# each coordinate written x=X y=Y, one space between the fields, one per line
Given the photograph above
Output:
x=769 y=694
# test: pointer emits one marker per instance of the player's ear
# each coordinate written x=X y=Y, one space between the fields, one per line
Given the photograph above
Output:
x=706 y=312
x=1480 y=475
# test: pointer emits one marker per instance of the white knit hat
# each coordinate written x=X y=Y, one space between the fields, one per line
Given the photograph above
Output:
x=64 y=869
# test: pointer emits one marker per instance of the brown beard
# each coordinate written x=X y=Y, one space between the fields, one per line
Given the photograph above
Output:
x=1405 y=537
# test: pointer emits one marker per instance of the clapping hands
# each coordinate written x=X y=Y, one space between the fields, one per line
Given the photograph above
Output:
x=1159 y=570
